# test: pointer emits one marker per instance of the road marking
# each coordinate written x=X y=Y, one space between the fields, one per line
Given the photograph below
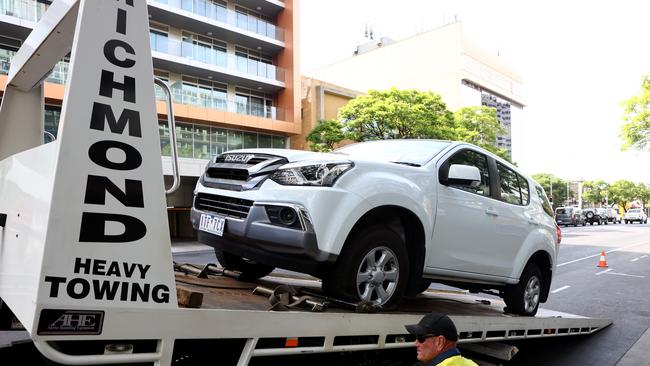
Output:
x=635 y=259
x=605 y=271
x=560 y=289
x=643 y=256
x=626 y=275
x=598 y=254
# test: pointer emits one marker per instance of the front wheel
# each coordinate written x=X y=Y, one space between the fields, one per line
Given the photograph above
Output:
x=523 y=298
x=373 y=267
x=249 y=270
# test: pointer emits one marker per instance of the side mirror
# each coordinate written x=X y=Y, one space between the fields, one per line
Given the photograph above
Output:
x=464 y=175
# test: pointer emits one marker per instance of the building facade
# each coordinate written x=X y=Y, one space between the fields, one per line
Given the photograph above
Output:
x=232 y=66
x=320 y=101
x=442 y=61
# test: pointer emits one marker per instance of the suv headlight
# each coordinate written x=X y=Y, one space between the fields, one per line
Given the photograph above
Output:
x=313 y=173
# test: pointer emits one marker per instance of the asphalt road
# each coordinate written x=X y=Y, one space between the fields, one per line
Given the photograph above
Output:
x=620 y=292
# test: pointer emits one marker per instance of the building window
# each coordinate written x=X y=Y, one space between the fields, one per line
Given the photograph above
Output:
x=205 y=142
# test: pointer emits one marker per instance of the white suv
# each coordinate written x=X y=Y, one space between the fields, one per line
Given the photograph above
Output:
x=380 y=220
x=635 y=214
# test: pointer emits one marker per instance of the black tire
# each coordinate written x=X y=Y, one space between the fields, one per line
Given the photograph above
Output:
x=523 y=298
x=249 y=270
x=584 y=223
x=590 y=215
x=591 y=223
x=360 y=248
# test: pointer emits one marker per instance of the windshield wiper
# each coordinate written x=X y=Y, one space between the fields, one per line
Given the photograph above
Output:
x=406 y=163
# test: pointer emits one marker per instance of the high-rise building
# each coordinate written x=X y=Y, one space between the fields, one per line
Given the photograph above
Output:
x=442 y=61
x=233 y=68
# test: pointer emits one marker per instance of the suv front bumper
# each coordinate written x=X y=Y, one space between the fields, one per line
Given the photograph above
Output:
x=257 y=238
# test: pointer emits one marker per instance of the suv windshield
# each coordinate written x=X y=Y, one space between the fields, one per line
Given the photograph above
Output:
x=411 y=152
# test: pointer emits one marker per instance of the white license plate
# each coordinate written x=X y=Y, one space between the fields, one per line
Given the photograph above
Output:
x=212 y=224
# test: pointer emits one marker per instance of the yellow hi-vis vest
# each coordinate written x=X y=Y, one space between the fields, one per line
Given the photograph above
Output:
x=457 y=360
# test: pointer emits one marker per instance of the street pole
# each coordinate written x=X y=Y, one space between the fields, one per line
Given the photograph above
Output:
x=568 y=200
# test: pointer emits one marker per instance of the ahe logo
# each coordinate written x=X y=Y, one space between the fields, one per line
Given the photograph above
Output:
x=54 y=321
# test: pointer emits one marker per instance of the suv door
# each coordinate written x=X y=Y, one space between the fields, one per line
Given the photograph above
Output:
x=514 y=222
x=464 y=222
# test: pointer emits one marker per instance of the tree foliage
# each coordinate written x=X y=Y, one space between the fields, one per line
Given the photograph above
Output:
x=622 y=192
x=403 y=114
x=595 y=191
x=559 y=191
x=398 y=114
x=635 y=132
x=480 y=126
x=325 y=135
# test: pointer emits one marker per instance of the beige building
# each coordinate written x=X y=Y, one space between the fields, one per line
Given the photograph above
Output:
x=441 y=60
x=320 y=101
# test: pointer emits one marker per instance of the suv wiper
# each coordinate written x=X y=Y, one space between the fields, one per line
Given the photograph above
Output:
x=406 y=163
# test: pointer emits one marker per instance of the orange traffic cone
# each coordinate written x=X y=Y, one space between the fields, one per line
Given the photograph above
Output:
x=603 y=262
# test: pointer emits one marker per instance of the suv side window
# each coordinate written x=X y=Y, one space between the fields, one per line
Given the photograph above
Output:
x=545 y=204
x=509 y=184
x=473 y=158
x=525 y=192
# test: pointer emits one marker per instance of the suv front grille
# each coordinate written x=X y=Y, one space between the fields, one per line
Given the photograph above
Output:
x=225 y=173
x=226 y=206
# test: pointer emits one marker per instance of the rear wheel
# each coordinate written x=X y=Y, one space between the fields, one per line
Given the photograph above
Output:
x=523 y=298
x=250 y=270
x=373 y=267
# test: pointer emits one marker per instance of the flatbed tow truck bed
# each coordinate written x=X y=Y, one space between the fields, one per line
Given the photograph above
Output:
x=85 y=259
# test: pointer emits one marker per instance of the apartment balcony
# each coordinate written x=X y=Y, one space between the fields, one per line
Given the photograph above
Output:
x=203 y=98
x=208 y=63
x=207 y=18
x=18 y=17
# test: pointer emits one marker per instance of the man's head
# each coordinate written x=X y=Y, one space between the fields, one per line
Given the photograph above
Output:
x=435 y=333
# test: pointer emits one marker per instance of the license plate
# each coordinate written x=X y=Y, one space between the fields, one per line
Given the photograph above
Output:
x=212 y=224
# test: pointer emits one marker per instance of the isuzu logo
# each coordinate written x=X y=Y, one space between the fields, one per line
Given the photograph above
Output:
x=238 y=158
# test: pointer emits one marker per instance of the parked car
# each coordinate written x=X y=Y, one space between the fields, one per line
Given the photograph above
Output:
x=635 y=214
x=613 y=216
x=380 y=220
x=569 y=216
x=596 y=215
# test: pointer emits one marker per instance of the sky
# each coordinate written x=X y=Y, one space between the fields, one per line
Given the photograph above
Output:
x=579 y=61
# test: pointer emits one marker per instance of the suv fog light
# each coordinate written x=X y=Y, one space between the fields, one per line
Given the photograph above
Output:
x=288 y=216
x=283 y=215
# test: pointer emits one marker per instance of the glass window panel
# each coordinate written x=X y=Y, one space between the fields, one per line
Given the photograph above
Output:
x=509 y=185
x=51 y=121
x=473 y=158
x=265 y=141
x=184 y=140
x=525 y=192
x=201 y=142
x=279 y=142
x=235 y=140
x=165 y=146
x=250 y=140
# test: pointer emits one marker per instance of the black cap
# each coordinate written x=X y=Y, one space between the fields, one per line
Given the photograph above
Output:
x=435 y=324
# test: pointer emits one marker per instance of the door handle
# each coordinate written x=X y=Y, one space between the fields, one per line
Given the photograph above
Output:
x=491 y=212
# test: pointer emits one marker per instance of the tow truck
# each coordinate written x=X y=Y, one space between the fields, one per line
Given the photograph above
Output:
x=85 y=254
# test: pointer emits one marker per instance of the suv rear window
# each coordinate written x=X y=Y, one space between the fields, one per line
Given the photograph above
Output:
x=562 y=211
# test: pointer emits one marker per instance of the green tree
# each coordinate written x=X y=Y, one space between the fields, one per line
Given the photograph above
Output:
x=635 y=132
x=480 y=126
x=642 y=193
x=559 y=194
x=325 y=135
x=594 y=191
x=621 y=192
x=398 y=114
